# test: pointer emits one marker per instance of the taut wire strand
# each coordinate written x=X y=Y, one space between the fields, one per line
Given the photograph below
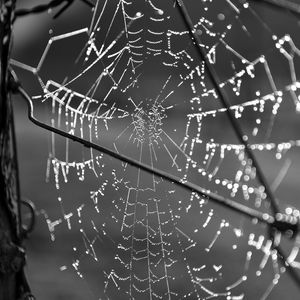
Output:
x=280 y=222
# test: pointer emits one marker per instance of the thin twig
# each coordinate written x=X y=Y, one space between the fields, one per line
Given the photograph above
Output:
x=16 y=166
x=281 y=222
x=45 y=7
x=289 y=6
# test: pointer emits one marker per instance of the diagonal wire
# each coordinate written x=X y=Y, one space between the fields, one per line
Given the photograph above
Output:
x=283 y=223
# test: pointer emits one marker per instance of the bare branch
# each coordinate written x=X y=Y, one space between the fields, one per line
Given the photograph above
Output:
x=282 y=4
x=45 y=7
x=280 y=222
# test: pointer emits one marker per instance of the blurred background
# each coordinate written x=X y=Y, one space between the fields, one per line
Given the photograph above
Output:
x=51 y=255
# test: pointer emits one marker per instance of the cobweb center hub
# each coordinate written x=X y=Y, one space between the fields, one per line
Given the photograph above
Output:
x=148 y=122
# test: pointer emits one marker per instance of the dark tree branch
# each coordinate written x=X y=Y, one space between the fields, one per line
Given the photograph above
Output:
x=45 y=7
x=13 y=284
x=8 y=197
x=287 y=5
x=280 y=222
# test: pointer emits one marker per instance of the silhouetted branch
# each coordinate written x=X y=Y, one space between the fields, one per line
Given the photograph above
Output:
x=282 y=4
x=280 y=222
x=13 y=284
x=45 y=7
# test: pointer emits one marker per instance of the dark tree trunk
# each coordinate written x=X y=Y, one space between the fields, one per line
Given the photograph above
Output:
x=11 y=255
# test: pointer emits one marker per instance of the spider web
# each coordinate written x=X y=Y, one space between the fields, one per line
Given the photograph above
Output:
x=131 y=80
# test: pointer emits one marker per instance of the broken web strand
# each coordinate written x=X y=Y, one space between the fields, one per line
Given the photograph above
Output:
x=139 y=118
